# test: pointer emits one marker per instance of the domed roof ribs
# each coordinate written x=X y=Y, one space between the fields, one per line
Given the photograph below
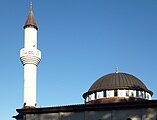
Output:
x=30 y=22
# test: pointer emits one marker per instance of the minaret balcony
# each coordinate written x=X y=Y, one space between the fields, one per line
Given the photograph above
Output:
x=30 y=56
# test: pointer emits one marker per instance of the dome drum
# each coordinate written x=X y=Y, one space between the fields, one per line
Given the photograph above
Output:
x=117 y=95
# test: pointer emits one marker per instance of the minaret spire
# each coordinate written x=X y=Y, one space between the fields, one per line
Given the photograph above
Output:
x=30 y=22
x=30 y=6
x=30 y=57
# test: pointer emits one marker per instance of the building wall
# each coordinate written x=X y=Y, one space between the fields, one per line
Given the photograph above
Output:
x=133 y=114
x=149 y=114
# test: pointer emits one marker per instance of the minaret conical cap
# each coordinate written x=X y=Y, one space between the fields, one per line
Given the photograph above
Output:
x=30 y=22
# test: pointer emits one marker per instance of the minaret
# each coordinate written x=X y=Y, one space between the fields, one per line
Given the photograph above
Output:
x=30 y=57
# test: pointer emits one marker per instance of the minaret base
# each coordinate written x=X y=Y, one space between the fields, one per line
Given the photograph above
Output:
x=28 y=107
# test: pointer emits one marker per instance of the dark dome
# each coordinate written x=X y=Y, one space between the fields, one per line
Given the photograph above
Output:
x=117 y=81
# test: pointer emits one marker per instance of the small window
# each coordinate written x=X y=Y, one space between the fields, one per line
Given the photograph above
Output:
x=147 y=96
x=115 y=93
x=104 y=93
x=144 y=94
x=128 y=119
x=127 y=93
x=137 y=93
x=132 y=94
x=89 y=98
x=96 y=95
x=86 y=99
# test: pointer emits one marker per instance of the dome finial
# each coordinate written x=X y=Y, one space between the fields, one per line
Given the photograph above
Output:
x=116 y=69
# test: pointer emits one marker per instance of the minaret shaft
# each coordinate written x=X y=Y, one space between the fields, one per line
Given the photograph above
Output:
x=30 y=38
x=30 y=85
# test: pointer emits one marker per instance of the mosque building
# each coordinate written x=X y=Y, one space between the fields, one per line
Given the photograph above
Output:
x=115 y=96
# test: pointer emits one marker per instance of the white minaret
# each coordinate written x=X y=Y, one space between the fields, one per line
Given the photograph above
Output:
x=30 y=57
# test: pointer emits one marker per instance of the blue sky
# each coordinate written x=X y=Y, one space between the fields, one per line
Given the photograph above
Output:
x=80 y=40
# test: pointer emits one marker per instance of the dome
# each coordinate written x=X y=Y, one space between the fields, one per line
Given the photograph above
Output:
x=117 y=81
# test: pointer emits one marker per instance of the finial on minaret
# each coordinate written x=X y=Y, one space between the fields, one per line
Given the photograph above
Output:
x=116 y=69
x=30 y=6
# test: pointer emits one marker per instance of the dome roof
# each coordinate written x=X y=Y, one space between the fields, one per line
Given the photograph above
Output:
x=117 y=81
